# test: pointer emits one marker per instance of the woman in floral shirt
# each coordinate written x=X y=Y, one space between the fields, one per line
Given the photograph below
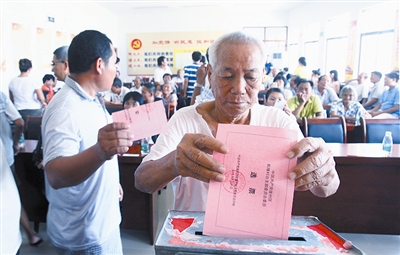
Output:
x=348 y=106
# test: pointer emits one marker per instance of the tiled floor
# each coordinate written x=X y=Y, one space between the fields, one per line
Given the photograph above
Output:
x=137 y=242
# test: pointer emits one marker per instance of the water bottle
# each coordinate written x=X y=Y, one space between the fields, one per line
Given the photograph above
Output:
x=21 y=143
x=387 y=144
x=145 y=146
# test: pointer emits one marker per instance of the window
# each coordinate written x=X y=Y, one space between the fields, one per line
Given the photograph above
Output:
x=376 y=52
x=336 y=31
x=336 y=49
x=377 y=44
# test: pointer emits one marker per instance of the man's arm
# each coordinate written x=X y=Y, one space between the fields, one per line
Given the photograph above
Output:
x=395 y=108
x=19 y=128
x=70 y=171
x=376 y=108
x=40 y=96
x=370 y=102
x=185 y=85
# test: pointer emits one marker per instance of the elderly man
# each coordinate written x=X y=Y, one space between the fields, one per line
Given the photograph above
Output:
x=137 y=84
x=60 y=66
x=182 y=155
x=361 y=85
x=326 y=94
x=80 y=144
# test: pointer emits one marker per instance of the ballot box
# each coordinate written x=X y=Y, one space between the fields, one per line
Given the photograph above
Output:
x=181 y=234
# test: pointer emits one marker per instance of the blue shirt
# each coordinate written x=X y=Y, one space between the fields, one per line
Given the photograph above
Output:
x=190 y=74
x=390 y=98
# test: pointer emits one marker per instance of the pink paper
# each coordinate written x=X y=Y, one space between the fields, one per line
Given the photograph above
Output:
x=145 y=120
x=256 y=198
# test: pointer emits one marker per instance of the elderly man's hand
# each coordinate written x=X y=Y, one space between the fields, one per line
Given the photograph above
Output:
x=315 y=170
x=192 y=157
x=113 y=139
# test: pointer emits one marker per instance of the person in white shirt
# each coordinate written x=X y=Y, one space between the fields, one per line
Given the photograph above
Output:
x=117 y=92
x=375 y=92
x=361 y=85
x=137 y=84
x=182 y=154
x=26 y=91
x=161 y=69
x=326 y=93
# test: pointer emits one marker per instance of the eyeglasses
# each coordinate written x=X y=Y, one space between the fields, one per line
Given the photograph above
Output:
x=55 y=63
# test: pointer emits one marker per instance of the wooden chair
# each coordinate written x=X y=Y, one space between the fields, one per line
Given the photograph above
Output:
x=374 y=129
x=32 y=128
x=332 y=130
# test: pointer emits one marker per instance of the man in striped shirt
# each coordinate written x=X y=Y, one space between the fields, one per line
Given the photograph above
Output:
x=190 y=77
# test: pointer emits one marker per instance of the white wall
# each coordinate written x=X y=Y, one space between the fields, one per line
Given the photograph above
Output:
x=203 y=18
x=74 y=17
x=70 y=17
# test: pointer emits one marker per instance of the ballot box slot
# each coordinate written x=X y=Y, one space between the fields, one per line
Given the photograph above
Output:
x=291 y=238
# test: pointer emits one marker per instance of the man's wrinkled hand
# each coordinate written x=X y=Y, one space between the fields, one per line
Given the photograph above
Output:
x=315 y=170
x=192 y=157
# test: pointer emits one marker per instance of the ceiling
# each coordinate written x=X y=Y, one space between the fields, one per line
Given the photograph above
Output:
x=127 y=7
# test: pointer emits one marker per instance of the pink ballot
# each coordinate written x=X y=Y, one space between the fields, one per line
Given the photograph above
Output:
x=145 y=120
x=256 y=198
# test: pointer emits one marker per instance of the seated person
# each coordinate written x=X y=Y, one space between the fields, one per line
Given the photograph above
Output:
x=132 y=99
x=170 y=98
x=334 y=82
x=182 y=154
x=349 y=107
x=148 y=93
x=375 y=91
x=118 y=92
x=293 y=84
x=281 y=82
x=315 y=74
x=389 y=104
x=305 y=104
x=137 y=84
x=361 y=85
x=167 y=77
x=179 y=80
x=274 y=95
x=326 y=94
x=49 y=82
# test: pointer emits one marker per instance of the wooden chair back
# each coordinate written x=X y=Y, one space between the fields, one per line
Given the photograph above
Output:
x=375 y=129
x=32 y=128
x=332 y=130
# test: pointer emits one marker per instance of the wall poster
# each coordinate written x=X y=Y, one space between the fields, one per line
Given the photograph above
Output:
x=177 y=47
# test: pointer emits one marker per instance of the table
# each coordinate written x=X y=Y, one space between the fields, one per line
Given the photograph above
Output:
x=368 y=199
x=139 y=210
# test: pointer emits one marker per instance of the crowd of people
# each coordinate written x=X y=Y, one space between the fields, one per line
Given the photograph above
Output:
x=321 y=96
x=80 y=140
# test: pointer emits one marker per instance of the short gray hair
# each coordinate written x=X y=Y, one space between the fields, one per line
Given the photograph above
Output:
x=237 y=37
x=347 y=88
x=61 y=53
